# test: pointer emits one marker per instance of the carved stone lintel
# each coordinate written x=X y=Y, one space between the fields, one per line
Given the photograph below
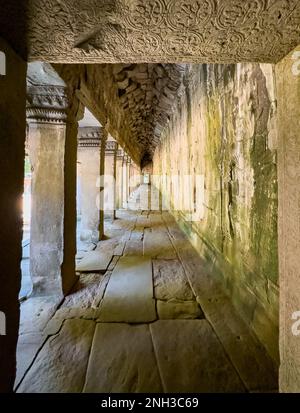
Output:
x=195 y=31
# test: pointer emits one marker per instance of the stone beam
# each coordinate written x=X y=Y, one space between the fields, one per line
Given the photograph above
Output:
x=203 y=31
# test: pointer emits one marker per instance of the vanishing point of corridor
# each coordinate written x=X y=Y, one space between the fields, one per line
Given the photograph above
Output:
x=143 y=317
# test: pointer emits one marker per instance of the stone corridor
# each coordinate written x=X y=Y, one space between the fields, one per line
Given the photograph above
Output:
x=143 y=317
x=149 y=213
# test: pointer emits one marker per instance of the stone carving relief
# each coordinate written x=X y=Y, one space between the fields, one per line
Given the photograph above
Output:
x=111 y=146
x=219 y=31
x=89 y=137
x=46 y=104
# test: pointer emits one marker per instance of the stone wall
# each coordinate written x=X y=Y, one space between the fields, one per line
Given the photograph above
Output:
x=12 y=152
x=288 y=90
x=224 y=129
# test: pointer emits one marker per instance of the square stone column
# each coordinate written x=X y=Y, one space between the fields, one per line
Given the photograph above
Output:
x=125 y=181
x=119 y=179
x=52 y=146
x=101 y=183
x=12 y=145
x=89 y=158
x=110 y=179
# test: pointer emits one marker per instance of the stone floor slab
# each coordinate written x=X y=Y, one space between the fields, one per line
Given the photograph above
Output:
x=61 y=364
x=191 y=358
x=122 y=360
x=134 y=247
x=157 y=244
x=54 y=325
x=28 y=347
x=129 y=294
x=175 y=309
x=250 y=359
x=85 y=291
x=170 y=281
x=36 y=312
x=94 y=261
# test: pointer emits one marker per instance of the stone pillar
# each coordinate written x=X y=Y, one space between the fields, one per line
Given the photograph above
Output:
x=12 y=144
x=125 y=181
x=128 y=177
x=110 y=179
x=52 y=143
x=101 y=184
x=89 y=152
x=119 y=179
x=132 y=184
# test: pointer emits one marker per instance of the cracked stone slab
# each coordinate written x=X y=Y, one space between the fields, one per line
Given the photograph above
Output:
x=129 y=294
x=191 y=358
x=112 y=246
x=28 y=347
x=101 y=290
x=94 y=261
x=122 y=360
x=250 y=359
x=157 y=244
x=60 y=366
x=133 y=247
x=56 y=322
x=173 y=309
x=170 y=281
x=36 y=312
x=113 y=262
x=85 y=291
x=137 y=234
x=195 y=267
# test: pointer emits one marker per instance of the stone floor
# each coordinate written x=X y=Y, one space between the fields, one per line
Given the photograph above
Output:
x=143 y=317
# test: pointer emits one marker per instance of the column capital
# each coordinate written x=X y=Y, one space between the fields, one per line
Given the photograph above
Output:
x=120 y=154
x=47 y=104
x=111 y=147
x=90 y=137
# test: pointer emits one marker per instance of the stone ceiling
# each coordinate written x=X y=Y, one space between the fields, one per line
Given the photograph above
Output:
x=170 y=31
x=135 y=100
x=147 y=93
